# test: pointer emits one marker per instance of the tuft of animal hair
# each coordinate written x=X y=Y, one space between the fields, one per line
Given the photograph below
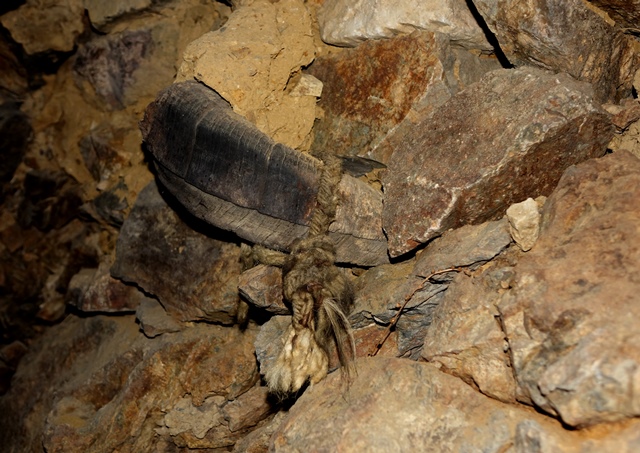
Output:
x=321 y=298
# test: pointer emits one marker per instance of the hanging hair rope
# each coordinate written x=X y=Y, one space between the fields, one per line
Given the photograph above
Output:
x=320 y=295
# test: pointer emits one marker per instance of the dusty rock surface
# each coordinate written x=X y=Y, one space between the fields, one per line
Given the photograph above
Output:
x=398 y=405
x=173 y=268
x=463 y=165
x=571 y=317
x=529 y=349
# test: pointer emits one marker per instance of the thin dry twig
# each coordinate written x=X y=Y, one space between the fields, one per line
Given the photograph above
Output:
x=407 y=298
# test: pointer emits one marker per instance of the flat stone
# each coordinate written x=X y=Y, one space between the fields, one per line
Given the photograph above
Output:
x=101 y=13
x=194 y=276
x=571 y=318
x=370 y=90
x=564 y=36
x=462 y=247
x=474 y=156
x=465 y=340
x=349 y=22
x=154 y=320
x=261 y=286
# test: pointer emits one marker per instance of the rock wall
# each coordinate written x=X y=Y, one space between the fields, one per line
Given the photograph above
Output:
x=498 y=139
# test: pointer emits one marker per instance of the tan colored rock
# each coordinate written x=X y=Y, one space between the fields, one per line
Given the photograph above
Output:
x=349 y=22
x=465 y=340
x=46 y=25
x=571 y=318
x=564 y=36
x=250 y=62
x=396 y=405
x=102 y=372
x=524 y=223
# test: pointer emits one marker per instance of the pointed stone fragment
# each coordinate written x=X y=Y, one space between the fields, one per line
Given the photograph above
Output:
x=506 y=138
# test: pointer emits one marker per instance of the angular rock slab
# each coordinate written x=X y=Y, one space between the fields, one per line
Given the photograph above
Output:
x=226 y=172
x=194 y=276
x=506 y=138
x=396 y=405
x=564 y=36
x=349 y=22
x=251 y=60
x=372 y=90
x=572 y=318
x=466 y=340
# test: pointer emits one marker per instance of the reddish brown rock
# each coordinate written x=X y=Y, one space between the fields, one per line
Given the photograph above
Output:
x=368 y=91
x=564 y=36
x=475 y=156
x=194 y=276
x=261 y=286
x=95 y=290
x=571 y=318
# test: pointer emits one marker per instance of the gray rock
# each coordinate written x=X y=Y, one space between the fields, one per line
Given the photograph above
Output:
x=571 y=318
x=475 y=156
x=349 y=22
x=194 y=276
x=109 y=64
x=465 y=246
x=564 y=36
x=154 y=320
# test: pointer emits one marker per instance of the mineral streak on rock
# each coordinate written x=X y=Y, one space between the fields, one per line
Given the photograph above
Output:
x=228 y=173
x=508 y=137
